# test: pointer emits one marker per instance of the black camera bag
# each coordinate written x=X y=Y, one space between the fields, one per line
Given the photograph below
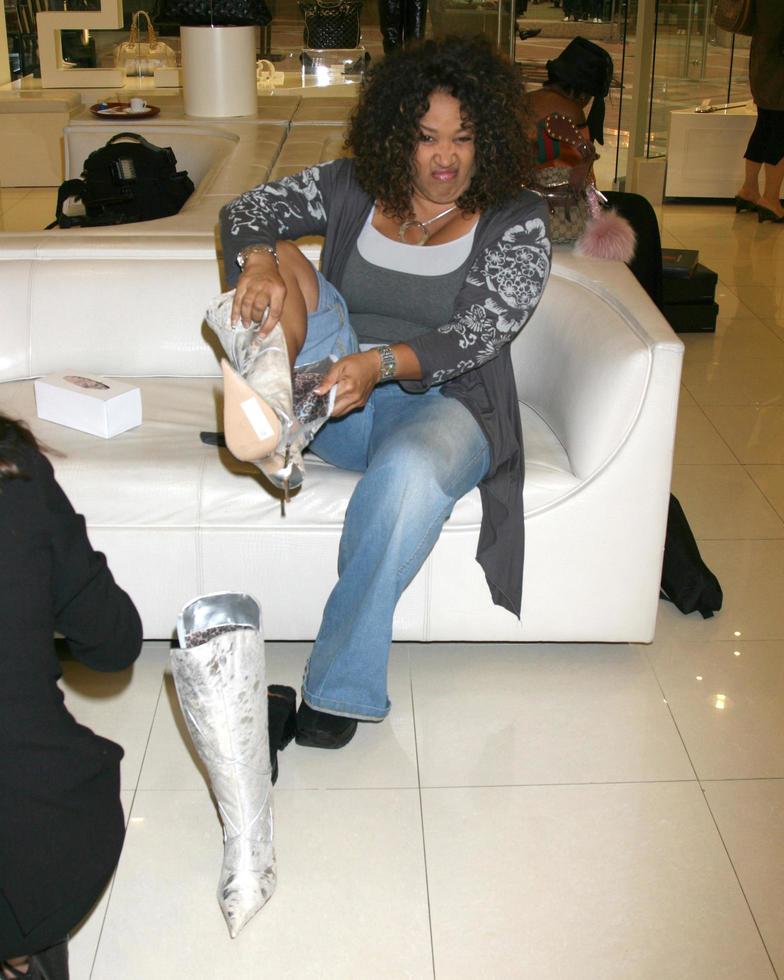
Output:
x=127 y=180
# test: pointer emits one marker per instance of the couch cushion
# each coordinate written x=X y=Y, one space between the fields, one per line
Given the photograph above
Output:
x=162 y=475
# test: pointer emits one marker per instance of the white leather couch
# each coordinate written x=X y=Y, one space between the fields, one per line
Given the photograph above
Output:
x=598 y=375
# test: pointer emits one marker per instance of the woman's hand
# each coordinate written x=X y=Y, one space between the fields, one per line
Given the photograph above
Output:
x=260 y=288
x=356 y=376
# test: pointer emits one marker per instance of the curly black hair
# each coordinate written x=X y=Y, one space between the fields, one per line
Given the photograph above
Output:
x=384 y=128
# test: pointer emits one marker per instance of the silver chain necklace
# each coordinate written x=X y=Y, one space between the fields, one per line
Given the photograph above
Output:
x=422 y=225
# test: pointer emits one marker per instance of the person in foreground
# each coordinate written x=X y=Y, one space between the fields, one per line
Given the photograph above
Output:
x=434 y=259
x=766 y=145
x=61 y=822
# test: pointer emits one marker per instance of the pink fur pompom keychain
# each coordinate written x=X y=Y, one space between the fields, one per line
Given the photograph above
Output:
x=607 y=235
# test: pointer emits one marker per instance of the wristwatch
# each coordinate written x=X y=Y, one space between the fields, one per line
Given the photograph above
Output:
x=388 y=362
x=250 y=249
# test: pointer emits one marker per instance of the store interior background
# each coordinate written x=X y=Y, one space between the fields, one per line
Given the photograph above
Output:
x=623 y=818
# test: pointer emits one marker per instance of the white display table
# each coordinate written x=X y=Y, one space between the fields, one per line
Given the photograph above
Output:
x=705 y=151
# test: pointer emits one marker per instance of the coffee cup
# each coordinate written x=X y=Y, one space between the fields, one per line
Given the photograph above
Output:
x=138 y=105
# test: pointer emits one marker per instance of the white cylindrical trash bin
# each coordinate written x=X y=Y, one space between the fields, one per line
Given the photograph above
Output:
x=219 y=71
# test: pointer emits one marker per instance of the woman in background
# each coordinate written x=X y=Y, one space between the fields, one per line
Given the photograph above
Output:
x=61 y=822
x=766 y=146
x=578 y=80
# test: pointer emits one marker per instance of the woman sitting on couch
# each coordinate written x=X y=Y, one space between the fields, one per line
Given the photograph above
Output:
x=434 y=259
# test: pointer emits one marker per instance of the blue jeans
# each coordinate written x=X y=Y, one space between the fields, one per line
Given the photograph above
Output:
x=418 y=453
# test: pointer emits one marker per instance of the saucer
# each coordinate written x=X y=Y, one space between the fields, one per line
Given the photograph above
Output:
x=122 y=110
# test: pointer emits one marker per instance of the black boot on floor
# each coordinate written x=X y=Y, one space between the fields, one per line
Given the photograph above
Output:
x=320 y=730
x=281 y=721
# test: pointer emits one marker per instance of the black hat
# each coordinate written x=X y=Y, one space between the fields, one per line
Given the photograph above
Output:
x=584 y=67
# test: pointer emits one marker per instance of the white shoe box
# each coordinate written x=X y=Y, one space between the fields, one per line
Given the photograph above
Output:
x=89 y=402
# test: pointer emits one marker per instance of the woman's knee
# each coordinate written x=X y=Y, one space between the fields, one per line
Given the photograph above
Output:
x=294 y=267
x=413 y=476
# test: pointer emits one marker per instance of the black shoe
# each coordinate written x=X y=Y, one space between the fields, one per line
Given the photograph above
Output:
x=765 y=214
x=741 y=204
x=527 y=32
x=281 y=721
x=320 y=730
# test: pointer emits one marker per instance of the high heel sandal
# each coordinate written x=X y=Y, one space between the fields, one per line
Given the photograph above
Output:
x=742 y=204
x=765 y=214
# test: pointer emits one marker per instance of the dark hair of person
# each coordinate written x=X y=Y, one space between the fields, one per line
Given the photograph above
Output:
x=12 y=436
x=384 y=128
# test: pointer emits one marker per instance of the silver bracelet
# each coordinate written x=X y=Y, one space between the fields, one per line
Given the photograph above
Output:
x=250 y=249
x=388 y=362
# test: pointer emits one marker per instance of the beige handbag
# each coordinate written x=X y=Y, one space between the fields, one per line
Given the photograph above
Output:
x=267 y=75
x=137 y=57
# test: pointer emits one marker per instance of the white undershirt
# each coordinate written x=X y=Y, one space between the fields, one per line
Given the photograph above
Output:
x=434 y=260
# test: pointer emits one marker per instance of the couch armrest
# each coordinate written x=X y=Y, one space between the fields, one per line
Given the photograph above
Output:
x=586 y=362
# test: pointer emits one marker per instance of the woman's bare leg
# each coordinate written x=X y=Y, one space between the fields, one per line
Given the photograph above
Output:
x=750 y=189
x=771 y=197
x=302 y=296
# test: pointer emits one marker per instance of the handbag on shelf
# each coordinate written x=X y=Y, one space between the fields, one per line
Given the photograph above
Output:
x=137 y=57
x=219 y=13
x=331 y=23
x=735 y=16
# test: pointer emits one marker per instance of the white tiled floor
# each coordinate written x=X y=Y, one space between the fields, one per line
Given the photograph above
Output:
x=541 y=812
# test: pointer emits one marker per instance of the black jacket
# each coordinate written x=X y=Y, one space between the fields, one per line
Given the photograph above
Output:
x=61 y=823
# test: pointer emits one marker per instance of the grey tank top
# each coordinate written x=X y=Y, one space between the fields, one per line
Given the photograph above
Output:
x=388 y=307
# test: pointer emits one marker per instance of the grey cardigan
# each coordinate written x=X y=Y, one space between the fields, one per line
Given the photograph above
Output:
x=469 y=355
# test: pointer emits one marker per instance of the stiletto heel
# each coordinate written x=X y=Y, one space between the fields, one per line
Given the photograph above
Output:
x=765 y=214
x=741 y=204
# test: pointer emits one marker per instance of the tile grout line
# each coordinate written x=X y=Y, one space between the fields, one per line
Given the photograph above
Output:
x=713 y=818
x=130 y=811
x=421 y=817
x=740 y=883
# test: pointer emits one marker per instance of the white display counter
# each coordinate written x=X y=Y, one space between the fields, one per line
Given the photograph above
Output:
x=705 y=151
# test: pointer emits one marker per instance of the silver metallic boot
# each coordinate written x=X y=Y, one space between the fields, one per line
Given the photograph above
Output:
x=258 y=402
x=267 y=422
x=219 y=675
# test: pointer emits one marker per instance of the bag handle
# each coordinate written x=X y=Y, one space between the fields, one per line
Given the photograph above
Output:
x=563 y=129
x=331 y=5
x=136 y=137
x=135 y=30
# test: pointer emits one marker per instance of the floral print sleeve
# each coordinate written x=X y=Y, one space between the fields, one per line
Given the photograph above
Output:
x=284 y=209
x=501 y=292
